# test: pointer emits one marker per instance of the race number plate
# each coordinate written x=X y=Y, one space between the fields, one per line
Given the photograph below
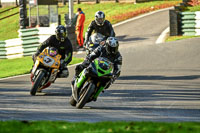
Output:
x=48 y=61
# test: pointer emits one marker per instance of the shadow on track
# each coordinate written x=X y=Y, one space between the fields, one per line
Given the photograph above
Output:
x=158 y=77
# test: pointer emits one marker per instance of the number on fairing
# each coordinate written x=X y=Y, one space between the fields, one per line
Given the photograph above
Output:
x=48 y=61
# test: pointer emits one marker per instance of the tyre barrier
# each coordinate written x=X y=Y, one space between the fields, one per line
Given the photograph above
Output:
x=27 y=44
x=190 y=23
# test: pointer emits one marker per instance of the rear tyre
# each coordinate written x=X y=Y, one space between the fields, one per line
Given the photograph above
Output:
x=37 y=83
x=85 y=96
x=72 y=101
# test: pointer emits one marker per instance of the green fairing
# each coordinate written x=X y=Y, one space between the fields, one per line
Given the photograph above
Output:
x=81 y=79
x=99 y=68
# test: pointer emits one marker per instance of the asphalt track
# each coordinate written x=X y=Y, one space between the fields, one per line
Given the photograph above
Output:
x=159 y=82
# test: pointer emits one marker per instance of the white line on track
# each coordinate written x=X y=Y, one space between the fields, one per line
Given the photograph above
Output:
x=162 y=37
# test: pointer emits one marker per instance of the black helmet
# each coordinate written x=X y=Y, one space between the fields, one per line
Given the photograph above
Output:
x=99 y=18
x=61 y=33
x=112 y=45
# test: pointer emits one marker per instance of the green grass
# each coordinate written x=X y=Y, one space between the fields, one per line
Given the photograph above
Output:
x=7 y=13
x=193 y=9
x=13 y=67
x=175 y=38
x=10 y=26
x=100 y=127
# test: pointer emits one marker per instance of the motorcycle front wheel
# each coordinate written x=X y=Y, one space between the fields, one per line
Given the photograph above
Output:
x=85 y=96
x=37 y=83
x=72 y=101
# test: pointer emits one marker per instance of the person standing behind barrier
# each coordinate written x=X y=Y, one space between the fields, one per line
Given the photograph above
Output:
x=79 y=27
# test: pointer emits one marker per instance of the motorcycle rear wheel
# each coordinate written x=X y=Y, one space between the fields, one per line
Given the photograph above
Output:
x=37 y=83
x=85 y=96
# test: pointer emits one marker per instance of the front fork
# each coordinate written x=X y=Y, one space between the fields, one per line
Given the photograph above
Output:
x=101 y=88
x=77 y=85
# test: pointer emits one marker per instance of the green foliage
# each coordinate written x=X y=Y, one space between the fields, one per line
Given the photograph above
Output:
x=100 y=127
x=12 y=67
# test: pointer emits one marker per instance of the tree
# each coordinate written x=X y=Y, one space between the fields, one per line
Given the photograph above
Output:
x=64 y=2
x=97 y=1
x=16 y=2
x=0 y=4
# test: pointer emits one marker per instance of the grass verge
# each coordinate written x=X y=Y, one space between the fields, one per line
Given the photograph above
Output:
x=13 y=67
x=99 y=127
x=175 y=38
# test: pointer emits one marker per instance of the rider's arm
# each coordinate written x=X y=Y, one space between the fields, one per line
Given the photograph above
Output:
x=45 y=44
x=96 y=53
x=89 y=31
x=68 y=52
x=117 y=65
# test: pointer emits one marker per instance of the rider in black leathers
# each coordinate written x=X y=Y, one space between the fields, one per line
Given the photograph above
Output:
x=61 y=42
x=110 y=51
x=99 y=25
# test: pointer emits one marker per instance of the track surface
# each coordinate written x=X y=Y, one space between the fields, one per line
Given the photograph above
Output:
x=157 y=83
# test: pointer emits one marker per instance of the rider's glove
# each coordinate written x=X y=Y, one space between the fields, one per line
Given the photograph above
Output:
x=112 y=80
x=114 y=77
x=102 y=42
x=85 y=44
x=62 y=64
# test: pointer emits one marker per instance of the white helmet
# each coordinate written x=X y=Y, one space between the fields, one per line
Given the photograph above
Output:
x=112 y=45
x=99 y=18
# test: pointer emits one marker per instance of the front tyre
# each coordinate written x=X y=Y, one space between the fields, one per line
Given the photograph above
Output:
x=37 y=83
x=85 y=96
x=72 y=101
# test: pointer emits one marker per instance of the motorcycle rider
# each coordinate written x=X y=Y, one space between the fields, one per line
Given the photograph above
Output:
x=99 y=25
x=61 y=42
x=110 y=51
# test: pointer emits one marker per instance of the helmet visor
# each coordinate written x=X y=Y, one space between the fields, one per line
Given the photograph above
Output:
x=112 y=50
x=61 y=36
x=100 y=20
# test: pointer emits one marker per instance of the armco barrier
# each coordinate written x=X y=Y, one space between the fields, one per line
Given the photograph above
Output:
x=190 y=23
x=27 y=44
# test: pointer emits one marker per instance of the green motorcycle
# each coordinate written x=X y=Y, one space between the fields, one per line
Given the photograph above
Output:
x=91 y=82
